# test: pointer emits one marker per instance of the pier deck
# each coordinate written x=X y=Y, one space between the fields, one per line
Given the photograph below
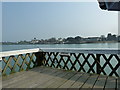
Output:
x=46 y=77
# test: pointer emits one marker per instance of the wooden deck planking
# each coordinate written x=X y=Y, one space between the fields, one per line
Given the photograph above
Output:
x=100 y=83
x=110 y=82
x=21 y=76
x=80 y=81
x=90 y=82
x=53 y=80
x=44 y=77
x=32 y=79
x=71 y=81
x=62 y=80
x=40 y=79
x=44 y=80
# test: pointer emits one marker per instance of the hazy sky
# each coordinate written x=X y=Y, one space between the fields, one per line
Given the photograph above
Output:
x=26 y=20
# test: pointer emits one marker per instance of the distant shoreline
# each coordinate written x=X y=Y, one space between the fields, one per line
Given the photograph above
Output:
x=65 y=43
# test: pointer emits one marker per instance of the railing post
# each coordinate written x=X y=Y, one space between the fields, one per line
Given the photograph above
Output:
x=40 y=57
x=98 y=67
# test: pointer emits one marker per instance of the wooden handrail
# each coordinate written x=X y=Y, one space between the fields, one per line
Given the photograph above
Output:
x=67 y=50
x=83 y=50
x=17 y=52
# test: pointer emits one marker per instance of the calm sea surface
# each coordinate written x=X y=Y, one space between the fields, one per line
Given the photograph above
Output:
x=90 y=45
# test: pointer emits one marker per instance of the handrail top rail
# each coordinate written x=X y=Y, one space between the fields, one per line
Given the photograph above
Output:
x=83 y=50
x=67 y=50
x=17 y=52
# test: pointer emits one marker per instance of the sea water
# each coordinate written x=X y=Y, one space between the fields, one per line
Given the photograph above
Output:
x=89 y=45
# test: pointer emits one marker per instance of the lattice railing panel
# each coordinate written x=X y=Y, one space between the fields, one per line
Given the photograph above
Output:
x=107 y=64
x=111 y=65
x=90 y=63
x=18 y=63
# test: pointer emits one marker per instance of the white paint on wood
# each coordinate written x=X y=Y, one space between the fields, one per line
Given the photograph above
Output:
x=17 y=52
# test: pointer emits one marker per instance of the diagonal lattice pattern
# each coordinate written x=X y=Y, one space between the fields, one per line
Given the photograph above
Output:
x=81 y=62
x=91 y=63
x=18 y=63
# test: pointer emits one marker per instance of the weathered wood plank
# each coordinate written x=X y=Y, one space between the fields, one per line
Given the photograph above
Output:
x=53 y=80
x=100 y=82
x=80 y=81
x=42 y=80
x=90 y=82
x=111 y=83
x=19 y=78
x=43 y=77
x=14 y=75
x=62 y=80
x=71 y=81
x=25 y=76
x=49 y=79
x=31 y=79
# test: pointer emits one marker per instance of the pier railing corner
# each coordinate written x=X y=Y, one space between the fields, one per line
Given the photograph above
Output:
x=81 y=60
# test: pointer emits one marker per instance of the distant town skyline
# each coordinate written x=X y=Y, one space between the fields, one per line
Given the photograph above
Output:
x=26 y=20
x=110 y=38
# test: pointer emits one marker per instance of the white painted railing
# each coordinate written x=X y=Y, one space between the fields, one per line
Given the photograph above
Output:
x=17 y=52
x=67 y=50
